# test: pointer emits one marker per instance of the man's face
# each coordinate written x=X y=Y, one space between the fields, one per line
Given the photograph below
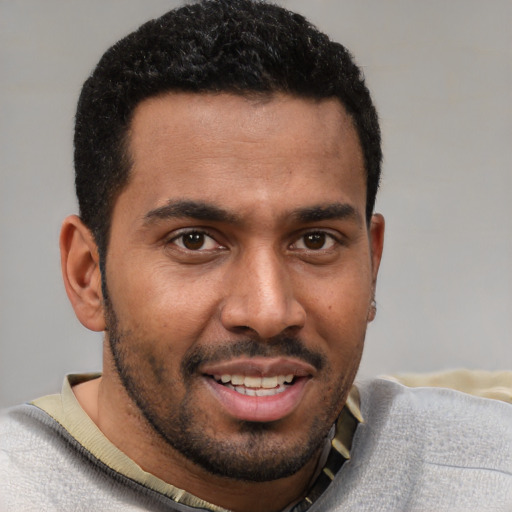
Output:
x=240 y=276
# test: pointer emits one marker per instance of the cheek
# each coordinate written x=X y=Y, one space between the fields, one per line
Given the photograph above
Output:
x=156 y=300
x=340 y=304
x=338 y=313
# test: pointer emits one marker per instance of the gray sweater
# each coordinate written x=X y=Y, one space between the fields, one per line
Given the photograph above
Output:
x=423 y=449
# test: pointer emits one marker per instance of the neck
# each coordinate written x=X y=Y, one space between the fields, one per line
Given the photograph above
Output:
x=107 y=403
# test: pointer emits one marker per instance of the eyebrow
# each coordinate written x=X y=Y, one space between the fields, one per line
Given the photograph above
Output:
x=200 y=210
x=190 y=209
x=334 y=211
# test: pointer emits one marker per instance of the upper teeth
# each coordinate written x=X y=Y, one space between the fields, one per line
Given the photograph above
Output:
x=254 y=382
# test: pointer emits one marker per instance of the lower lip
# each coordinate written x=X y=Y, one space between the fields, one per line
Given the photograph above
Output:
x=259 y=408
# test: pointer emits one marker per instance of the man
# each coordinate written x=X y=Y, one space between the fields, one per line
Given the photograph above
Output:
x=227 y=159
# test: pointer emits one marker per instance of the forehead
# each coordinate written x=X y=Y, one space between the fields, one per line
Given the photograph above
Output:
x=194 y=118
x=215 y=145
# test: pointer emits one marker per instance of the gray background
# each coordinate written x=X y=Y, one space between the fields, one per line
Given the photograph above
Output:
x=441 y=75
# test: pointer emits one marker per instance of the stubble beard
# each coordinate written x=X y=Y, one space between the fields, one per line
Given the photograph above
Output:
x=258 y=453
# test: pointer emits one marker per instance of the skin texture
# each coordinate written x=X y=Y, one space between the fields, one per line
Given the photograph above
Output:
x=239 y=245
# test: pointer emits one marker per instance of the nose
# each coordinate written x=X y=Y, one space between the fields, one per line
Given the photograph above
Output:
x=260 y=297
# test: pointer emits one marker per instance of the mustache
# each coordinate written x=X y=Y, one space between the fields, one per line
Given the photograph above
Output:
x=277 y=346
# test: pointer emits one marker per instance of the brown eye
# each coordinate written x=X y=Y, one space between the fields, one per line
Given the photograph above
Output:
x=314 y=241
x=196 y=241
x=193 y=241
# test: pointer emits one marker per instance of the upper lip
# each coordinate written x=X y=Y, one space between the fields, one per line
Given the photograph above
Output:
x=260 y=367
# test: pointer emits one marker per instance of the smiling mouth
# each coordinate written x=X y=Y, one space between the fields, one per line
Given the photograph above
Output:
x=254 y=385
x=258 y=389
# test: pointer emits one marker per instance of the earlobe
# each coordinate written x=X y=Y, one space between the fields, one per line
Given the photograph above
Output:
x=377 y=227
x=372 y=311
x=81 y=273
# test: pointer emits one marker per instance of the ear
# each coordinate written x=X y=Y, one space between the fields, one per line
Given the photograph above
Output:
x=377 y=228
x=81 y=273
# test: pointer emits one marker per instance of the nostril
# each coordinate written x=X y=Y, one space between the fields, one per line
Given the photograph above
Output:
x=266 y=311
x=242 y=329
x=292 y=330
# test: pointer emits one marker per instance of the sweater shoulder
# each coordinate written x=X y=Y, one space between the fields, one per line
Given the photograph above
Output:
x=42 y=467
x=427 y=449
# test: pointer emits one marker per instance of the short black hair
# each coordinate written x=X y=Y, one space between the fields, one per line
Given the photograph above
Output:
x=238 y=46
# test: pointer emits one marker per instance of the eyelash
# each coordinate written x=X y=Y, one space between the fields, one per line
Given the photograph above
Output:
x=327 y=236
x=199 y=232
